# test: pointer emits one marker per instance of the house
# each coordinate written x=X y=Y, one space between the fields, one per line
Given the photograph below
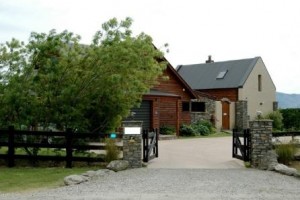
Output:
x=171 y=102
x=243 y=87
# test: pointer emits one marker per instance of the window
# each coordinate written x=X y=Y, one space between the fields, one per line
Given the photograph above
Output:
x=186 y=106
x=222 y=74
x=198 y=107
x=259 y=83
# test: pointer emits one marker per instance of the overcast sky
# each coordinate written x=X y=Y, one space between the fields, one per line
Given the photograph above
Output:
x=194 y=29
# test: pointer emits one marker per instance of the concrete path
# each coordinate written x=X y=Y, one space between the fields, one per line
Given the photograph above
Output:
x=205 y=153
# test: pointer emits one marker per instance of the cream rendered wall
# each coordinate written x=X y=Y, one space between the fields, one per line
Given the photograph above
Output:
x=232 y=116
x=218 y=115
x=258 y=101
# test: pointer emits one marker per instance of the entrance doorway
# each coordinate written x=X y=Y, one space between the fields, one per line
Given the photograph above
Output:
x=225 y=115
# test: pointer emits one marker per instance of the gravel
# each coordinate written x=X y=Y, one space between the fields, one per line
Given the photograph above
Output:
x=172 y=184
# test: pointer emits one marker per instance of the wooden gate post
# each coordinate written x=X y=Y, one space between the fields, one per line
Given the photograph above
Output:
x=69 y=138
x=261 y=140
x=11 y=146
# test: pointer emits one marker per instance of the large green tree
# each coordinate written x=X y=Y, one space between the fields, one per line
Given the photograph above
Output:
x=55 y=80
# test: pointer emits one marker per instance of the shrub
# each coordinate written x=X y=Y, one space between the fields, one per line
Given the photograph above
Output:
x=201 y=130
x=112 y=151
x=187 y=130
x=291 y=118
x=285 y=152
x=277 y=118
x=203 y=127
x=167 y=130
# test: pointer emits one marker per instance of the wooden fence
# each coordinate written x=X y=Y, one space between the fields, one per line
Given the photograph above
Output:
x=287 y=133
x=68 y=141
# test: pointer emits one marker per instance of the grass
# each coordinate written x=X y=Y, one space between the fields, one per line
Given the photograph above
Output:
x=28 y=179
x=213 y=135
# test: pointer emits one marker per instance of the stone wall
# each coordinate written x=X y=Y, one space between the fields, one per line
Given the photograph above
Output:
x=261 y=140
x=207 y=115
x=241 y=115
x=132 y=150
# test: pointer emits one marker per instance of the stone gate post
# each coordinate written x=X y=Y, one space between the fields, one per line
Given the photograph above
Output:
x=132 y=143
x=261 y=140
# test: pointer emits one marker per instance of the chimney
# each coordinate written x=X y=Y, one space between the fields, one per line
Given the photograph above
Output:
x=209 y=60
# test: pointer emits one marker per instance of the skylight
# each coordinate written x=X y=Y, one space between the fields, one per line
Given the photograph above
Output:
x=222 y=74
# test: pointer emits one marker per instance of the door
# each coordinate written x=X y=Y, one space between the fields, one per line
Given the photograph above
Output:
x=143 y=113
x=225 y=115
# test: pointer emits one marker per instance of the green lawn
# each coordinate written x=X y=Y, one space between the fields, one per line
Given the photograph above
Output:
x=25 y=179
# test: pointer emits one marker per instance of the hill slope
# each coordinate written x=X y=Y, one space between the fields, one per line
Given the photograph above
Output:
x=288 y=100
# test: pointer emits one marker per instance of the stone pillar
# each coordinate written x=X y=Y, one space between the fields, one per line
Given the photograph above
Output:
x=261 y=140
x=132 y=145
x=241 y=115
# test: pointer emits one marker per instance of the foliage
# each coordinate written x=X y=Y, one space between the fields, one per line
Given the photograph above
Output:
x=291 y=118
x=285 y=152
x=112 y=151
x=167 y=130
x=204 y=127
x=201 y=127
x=277 y=118
x=187 y=130
x=56 y=80
x=201 y=130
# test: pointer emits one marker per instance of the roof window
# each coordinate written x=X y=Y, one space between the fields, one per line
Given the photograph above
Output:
x=222 y=74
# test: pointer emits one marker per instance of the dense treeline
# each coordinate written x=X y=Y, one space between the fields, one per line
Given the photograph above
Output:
x=291 y=118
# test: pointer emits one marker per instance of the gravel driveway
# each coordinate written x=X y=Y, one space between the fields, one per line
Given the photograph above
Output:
x=176 y=184
x=205 y=153
x=186 y=169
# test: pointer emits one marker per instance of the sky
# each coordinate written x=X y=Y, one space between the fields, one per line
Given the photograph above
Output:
x=194 y=29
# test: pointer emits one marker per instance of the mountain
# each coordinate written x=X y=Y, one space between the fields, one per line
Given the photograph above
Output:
x=288 y=100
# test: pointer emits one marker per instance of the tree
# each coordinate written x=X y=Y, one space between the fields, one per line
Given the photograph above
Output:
x=55 y=80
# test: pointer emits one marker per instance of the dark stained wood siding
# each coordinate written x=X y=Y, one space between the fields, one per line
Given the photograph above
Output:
x=167 y=110
x=172 y=85
x=169 y=114
x=231 y=93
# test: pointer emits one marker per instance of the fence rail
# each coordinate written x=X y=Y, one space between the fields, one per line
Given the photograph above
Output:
x=68 y=141
x=287 y=133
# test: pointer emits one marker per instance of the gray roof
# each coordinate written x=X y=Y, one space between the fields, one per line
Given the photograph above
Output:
x=204 y=76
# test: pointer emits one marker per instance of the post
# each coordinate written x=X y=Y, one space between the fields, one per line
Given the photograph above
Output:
x=247 y=145
x=69 y=138
x=132 y=143
x=146 y=145
x=11 y=146
x=233 y=142
x=261 y=140
x=156 y=143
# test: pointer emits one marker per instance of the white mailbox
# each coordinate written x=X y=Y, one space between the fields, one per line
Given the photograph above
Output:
x=132 y=130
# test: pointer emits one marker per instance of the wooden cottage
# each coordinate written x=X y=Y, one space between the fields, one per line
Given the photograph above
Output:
x=166 y=103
